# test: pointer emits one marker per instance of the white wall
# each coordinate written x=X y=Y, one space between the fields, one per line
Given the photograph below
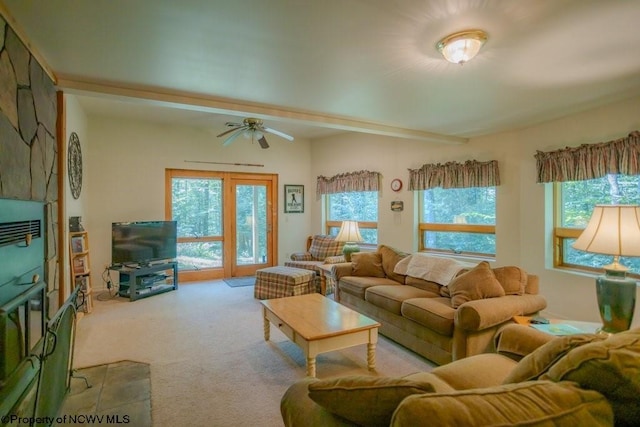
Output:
x=523 y=221
x=127 y=176
x=76 y=122
x=127 y=160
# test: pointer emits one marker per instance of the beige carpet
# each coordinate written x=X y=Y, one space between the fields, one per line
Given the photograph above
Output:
x=210 y=365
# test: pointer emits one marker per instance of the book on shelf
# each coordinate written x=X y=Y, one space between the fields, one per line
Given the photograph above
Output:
x=558 y=329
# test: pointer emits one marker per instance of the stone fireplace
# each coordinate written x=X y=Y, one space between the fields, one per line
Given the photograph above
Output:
x=28 y=143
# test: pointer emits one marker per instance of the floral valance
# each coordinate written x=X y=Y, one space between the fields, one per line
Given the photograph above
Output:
x=589 y=161
x=346 y=182
x=455 y=175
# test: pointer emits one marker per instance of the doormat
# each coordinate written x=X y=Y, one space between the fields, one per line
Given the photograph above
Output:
x=237 y=282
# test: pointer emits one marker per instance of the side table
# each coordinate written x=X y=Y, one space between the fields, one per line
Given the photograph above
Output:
x=585 y=327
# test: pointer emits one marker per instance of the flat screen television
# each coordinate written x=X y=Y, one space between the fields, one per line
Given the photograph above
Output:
x=143 y=242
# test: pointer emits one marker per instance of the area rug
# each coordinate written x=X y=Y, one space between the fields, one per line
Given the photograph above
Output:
x=238 y=282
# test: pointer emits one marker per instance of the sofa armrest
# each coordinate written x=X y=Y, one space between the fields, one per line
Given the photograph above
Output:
x=484 y=313
x=297 y=408
x=301 y=256
x=516 y=341
x=341 y=270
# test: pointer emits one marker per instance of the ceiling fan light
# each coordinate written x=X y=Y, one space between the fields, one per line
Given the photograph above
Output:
x=461 y=47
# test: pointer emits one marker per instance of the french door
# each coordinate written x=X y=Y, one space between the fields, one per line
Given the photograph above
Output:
x=227 y=222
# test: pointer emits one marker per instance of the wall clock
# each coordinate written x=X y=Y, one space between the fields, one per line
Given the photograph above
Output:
x=396 y=185
x=74 y=165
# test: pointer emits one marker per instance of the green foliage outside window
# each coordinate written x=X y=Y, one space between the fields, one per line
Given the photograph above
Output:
x=356 y=206
x=475 y=205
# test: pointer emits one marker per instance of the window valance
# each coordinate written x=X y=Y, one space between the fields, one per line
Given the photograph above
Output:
x=455 y=175
x=590 y=161
x=346 y=182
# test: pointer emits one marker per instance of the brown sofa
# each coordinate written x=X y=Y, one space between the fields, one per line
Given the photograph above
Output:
x=577 y=380
x=423 y=316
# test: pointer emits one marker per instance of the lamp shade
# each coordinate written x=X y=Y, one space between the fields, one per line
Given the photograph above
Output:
x=612 y=230
x=349 y=232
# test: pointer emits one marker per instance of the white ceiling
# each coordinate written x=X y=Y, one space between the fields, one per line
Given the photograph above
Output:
x=312 y=67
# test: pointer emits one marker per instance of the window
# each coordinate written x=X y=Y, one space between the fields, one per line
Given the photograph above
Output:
x=361 y=206
x=574 y=202
x=458 y=220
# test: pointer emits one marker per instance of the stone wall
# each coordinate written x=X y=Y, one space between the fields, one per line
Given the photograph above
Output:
x=28 y=147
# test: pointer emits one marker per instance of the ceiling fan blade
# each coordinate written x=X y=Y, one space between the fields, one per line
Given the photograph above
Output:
x=228 y=131
x=263 y=142
x=232 y=138
x=277 y=132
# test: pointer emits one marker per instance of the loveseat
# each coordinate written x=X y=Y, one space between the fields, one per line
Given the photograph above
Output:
x=321 y=249
x=576 y=380
x=440 y=321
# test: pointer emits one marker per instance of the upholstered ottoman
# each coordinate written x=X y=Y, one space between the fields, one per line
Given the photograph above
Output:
x=278 y=282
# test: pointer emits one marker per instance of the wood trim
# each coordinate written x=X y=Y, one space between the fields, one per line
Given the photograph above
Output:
x=221 y=105
x=361 y=224
x=61 y=132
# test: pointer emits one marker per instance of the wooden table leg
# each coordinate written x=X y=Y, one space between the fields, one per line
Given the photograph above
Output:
x=371 y=356
x=266 y=324
x=371 y=349
x=311 y=366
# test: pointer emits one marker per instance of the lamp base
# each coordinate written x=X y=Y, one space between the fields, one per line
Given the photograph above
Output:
x=616 y=300
x=348 y=249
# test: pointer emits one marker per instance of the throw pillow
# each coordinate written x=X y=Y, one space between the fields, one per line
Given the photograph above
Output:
x=537 y=363
x=477 y=283
x=367 y=264
x=323 y=246
x=390 y=257
x=513 y=279
x=611 y=367
x=334 y=259
x=532 y=403
x=366 y=401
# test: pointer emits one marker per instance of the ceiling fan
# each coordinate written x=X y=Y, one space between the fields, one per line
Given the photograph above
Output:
x=251 y=127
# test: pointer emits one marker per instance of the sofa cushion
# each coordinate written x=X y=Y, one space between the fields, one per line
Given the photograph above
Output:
x=390 y=257
x=610 y=367
x=390 y=298
x=358 y=285
x=477 y=283
x=537 y=363
x=367 y=264
x=435 y=313
x=324 y=246
x=513 y=279
x=366 y=401
x=533 y=403
x=425 y=285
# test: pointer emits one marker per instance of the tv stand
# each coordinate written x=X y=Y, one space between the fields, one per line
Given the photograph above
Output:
x=143 y=281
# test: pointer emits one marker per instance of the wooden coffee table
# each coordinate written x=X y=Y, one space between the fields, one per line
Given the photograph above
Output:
x=319 y=325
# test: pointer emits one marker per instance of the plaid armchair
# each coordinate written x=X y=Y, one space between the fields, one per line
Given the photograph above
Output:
x=322 y=249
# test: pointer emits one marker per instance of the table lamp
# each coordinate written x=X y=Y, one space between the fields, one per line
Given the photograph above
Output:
x=350 y=234
x=613 y=230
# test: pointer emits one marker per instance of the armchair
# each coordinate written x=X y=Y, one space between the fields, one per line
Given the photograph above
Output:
x=321 y=249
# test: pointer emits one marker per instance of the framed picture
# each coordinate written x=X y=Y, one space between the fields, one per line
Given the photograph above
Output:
x=77 y=245
x=294 y=198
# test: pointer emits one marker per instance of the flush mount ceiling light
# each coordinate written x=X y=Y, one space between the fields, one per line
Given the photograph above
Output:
x=460 y=47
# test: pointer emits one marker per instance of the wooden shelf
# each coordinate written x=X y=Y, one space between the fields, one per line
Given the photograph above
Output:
x=80 y=265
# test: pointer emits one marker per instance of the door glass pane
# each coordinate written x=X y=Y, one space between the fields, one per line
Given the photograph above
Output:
x=197 y=207
x=251 y=224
